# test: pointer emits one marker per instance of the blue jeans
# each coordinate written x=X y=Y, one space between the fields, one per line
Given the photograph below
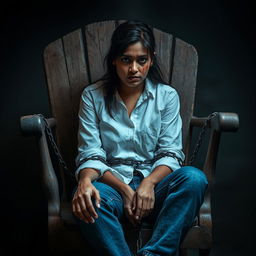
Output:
x=178 y=198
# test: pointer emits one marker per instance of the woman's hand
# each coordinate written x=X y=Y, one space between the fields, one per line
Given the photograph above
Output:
x=82 y=201
x=144 y=199
x=128 y=197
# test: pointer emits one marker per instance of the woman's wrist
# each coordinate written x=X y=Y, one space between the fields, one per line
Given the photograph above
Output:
x=123 y=189
x=150 y=180
x=88 y=175
x=109 y=179
x=84 y=180
x=158 y=174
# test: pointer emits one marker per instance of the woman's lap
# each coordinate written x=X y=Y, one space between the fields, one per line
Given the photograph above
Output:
x=188 y=176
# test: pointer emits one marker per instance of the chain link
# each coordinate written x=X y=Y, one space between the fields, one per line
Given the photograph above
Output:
x=64 y=165
x=132 y=162
x=54 y=146
x=200 y=137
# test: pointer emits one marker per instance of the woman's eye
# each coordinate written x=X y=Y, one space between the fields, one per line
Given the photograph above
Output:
x=142 y=60
x=125 y=60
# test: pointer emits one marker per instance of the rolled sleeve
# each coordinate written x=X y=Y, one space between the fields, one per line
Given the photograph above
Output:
x=89 y=142
x=171 y=162
x=170 y=138
x=94 y=164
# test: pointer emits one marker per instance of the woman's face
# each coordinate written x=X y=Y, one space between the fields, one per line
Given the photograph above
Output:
x=132 y=67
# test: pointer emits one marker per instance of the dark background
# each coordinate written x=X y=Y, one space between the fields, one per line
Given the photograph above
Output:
x=222 y=33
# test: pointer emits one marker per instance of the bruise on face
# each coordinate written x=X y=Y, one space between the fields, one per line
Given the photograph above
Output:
x=133 y=65
x=145 y=67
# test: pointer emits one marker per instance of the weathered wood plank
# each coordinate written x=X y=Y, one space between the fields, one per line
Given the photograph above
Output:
x=184 y=81
x=60 y=98
x=77 y=72
x=98 y=36
x=163 y=52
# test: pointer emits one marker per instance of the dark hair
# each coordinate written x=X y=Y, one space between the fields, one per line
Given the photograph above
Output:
x=127 y=33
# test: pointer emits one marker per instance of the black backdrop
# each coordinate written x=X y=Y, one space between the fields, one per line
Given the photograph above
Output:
x=221 y=31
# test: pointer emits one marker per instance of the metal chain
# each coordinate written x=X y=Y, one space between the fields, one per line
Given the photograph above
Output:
x=200 y=137
x=132 y=162
x=64 y=165
x=54 y=145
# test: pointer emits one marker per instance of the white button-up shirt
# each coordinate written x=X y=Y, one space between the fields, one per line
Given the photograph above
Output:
x=152 y=134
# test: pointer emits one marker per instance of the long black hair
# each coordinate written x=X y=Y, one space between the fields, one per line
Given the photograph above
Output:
x=126 y=34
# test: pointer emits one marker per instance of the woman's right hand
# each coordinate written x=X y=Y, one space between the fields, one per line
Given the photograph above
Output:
x=82 y=205
x=129 y=207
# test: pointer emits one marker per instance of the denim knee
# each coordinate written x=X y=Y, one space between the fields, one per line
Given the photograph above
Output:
x=110 y=198
x=194 y=178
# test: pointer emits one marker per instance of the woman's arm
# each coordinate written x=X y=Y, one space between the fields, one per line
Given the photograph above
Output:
x=88 y=173
x=90 y=160
x=170 y=137
x=158 y=174
x=169 y=141
x=91 y=154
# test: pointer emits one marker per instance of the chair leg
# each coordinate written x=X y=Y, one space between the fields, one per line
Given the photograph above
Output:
x=204 y=252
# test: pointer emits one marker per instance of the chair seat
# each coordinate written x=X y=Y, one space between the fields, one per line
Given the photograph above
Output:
x=198 y=236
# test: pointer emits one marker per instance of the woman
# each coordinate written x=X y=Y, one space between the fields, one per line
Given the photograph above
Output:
x=130 y=152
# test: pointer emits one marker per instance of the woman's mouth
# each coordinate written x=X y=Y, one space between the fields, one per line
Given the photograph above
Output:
x=133 y=78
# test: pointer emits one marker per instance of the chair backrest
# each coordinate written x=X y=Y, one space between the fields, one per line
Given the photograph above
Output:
x=76 y=60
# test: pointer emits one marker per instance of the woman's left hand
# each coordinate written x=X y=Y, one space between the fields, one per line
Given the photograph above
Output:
x=144 y=199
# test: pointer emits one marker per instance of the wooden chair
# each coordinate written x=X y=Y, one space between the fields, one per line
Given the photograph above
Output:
x=71 y=63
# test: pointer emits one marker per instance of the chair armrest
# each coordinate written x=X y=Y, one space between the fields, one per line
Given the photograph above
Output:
x=35 y=125
x=222 y=122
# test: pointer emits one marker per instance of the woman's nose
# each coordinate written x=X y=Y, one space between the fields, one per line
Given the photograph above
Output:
x=133 y=68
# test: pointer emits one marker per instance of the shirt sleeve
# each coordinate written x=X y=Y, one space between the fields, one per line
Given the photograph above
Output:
x=169 y=146
x=90 y=151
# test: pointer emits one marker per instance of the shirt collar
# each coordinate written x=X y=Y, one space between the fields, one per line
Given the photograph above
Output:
x=148 y=90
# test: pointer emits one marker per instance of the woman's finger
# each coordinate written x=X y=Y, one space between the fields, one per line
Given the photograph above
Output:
x=146 y=208
x=134 y=202
x=89 y=207
x=130 y=216
x=152 y=203
x=83 y=207
x=97 y=198
x=78 y=212
x=143 y=208
x=138 y=207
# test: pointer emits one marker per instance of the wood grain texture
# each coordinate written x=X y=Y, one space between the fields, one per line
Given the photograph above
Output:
x=163 y=52
x=184 y=81
x=60 y=98
x=77 y=73
x=98 y=37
